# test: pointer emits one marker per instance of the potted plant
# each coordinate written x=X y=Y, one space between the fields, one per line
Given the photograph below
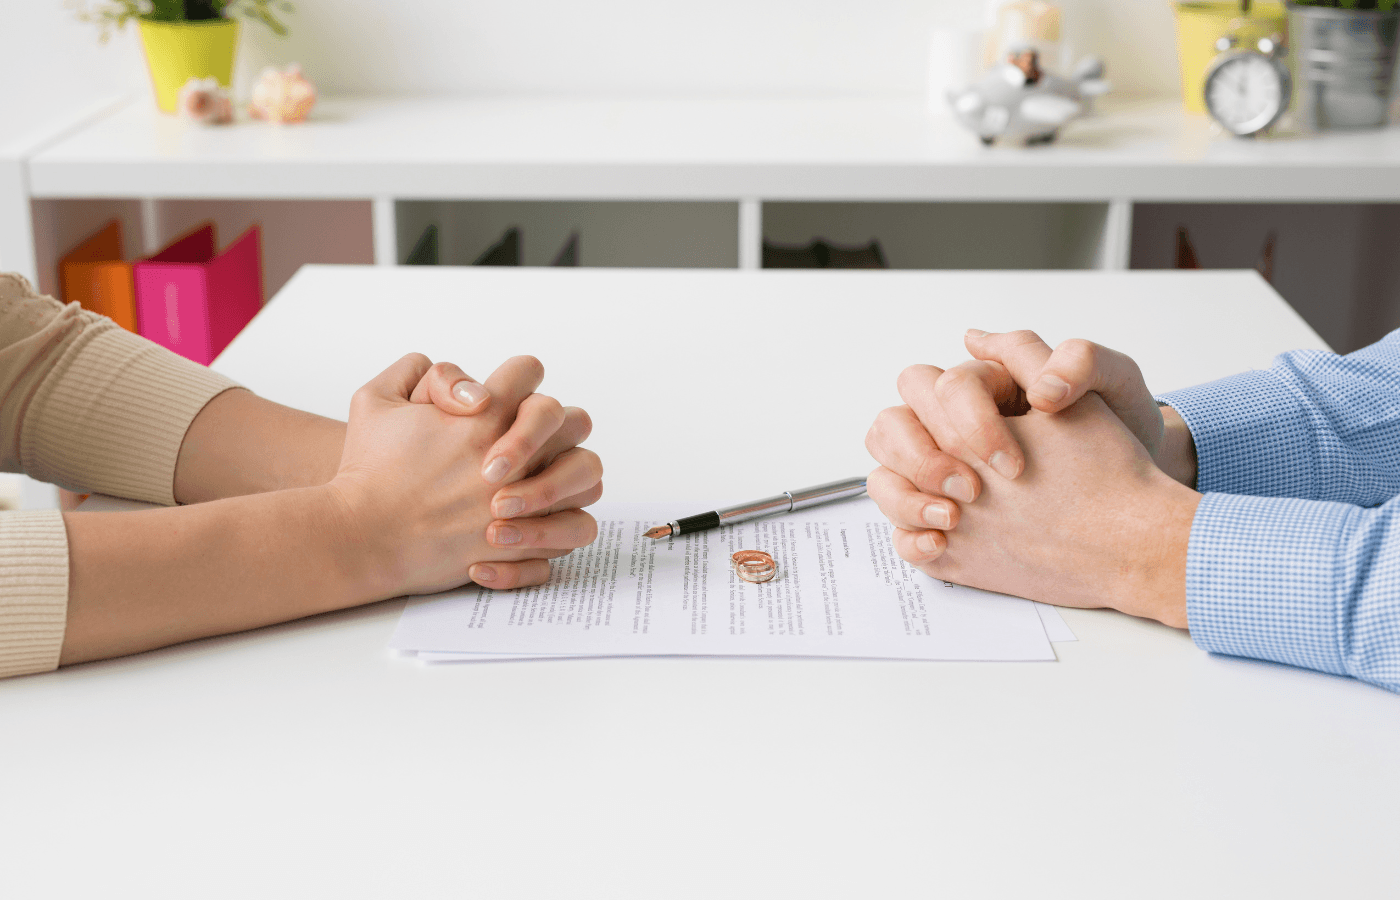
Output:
x=1344 y=60
x=185 y=39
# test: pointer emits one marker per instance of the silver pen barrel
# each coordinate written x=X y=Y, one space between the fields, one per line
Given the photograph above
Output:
x=768 y=506
x=827 y=493
x=785 y=502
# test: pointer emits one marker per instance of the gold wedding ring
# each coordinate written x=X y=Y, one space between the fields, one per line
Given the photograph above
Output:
x=754 y=566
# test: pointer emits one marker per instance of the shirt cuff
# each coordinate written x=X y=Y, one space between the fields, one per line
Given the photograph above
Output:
x=1240 y=448
x=1262 y=575
x=115 y=422
x=33 y=591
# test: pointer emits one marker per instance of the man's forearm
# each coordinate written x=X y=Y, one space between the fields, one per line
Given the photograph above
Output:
x=141 y=580
x=242 y=444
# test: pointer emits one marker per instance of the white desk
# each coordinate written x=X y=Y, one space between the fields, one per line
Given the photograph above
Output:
x=305 y=760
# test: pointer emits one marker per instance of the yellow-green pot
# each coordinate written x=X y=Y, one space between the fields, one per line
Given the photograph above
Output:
x=179 y=51
x=1200 y=24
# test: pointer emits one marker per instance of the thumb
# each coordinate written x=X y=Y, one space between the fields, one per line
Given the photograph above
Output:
x=451 y=390
x=395 y=384
x=1085 y=366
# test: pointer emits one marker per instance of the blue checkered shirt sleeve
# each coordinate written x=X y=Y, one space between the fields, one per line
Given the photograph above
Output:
x=1295 y=549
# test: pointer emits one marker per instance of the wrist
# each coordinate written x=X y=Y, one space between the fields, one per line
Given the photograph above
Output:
x=353 y=554
x=1177 y=453
x=1158 y=555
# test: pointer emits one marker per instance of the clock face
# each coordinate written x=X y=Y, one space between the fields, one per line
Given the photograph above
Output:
x=1246 y=92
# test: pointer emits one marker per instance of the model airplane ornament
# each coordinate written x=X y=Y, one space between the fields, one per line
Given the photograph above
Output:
x=1020 y=101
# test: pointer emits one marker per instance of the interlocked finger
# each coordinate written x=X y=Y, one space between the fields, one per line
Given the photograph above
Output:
x=564 y=530
x=574 y=472
x=907 y=507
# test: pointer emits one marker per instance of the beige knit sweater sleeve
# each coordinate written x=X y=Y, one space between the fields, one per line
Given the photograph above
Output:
x=91 y=407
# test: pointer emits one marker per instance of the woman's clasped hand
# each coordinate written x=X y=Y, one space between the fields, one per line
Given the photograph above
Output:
x=444 y=481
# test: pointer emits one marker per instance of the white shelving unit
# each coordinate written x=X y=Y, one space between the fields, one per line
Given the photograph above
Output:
x=688 y=183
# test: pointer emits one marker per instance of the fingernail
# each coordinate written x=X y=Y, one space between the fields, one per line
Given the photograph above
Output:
x=484 y=573
x=511 y=506
x=1051 y=388
x=1004 y=465
x=469 y=392
x=935 y=516
x=975 y=332
x=957 y=487
x=505 y=534
x=495 y=470
x=927 y=542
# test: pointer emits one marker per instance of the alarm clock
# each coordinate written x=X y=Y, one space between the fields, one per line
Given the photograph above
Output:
x=1247 y=91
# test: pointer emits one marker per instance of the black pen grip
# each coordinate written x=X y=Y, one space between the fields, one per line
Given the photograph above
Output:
x=697 y=523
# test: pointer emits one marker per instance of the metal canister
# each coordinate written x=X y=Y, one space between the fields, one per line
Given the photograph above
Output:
x=1343 y=65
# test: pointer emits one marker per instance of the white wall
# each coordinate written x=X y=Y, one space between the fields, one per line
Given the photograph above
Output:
x=653 y=47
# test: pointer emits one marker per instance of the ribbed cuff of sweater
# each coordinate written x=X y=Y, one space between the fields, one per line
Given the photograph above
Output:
x=33 y=591
x=115 y=422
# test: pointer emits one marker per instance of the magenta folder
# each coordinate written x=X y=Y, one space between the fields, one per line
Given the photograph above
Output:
x=194 y=301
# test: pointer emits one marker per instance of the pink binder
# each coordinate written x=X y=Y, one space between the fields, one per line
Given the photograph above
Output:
x=194 y=301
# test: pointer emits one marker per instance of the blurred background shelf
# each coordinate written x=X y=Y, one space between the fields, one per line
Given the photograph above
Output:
x=703 y=182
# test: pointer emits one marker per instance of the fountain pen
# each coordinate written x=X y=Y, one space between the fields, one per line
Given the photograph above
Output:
x=788 y=501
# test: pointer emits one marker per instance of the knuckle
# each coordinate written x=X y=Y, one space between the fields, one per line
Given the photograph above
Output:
x=1076 y=358
x=961 y=379
x=953 y=382
x=536 y=535
x=877 y=482
x=361 y=398
x=514 y=448
x=1078 y=350
x=546 y=495
x=532 y=365
x=1023 y=336
x=919 y=373
x=585 y=422
x=553 y=409
x=418 y=360
x=593 y=465
x=985 y=434
x=928 y=472
x=876 y=437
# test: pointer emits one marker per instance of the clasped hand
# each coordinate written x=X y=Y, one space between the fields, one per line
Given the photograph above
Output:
x=444 y=480
x=1040 y=474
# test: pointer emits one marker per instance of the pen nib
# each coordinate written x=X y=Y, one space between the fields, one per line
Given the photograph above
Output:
x=659 y=532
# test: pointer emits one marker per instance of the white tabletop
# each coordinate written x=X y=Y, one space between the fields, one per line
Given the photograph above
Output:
x=702 y=149
x=306 y=760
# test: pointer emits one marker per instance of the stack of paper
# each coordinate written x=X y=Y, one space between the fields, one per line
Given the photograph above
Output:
x=840 y=591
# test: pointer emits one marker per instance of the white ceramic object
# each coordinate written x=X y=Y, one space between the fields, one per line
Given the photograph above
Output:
x=1004 y=105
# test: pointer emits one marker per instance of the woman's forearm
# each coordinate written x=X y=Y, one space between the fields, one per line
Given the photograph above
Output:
x=141 y=580
x=243 y=444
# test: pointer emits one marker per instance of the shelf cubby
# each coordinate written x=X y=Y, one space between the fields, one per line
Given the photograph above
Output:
x=294 y=232
x=992 y=235
x=1337 y=264
x=641 y=234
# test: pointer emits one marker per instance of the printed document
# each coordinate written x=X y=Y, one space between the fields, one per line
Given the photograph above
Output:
x=840 y=591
